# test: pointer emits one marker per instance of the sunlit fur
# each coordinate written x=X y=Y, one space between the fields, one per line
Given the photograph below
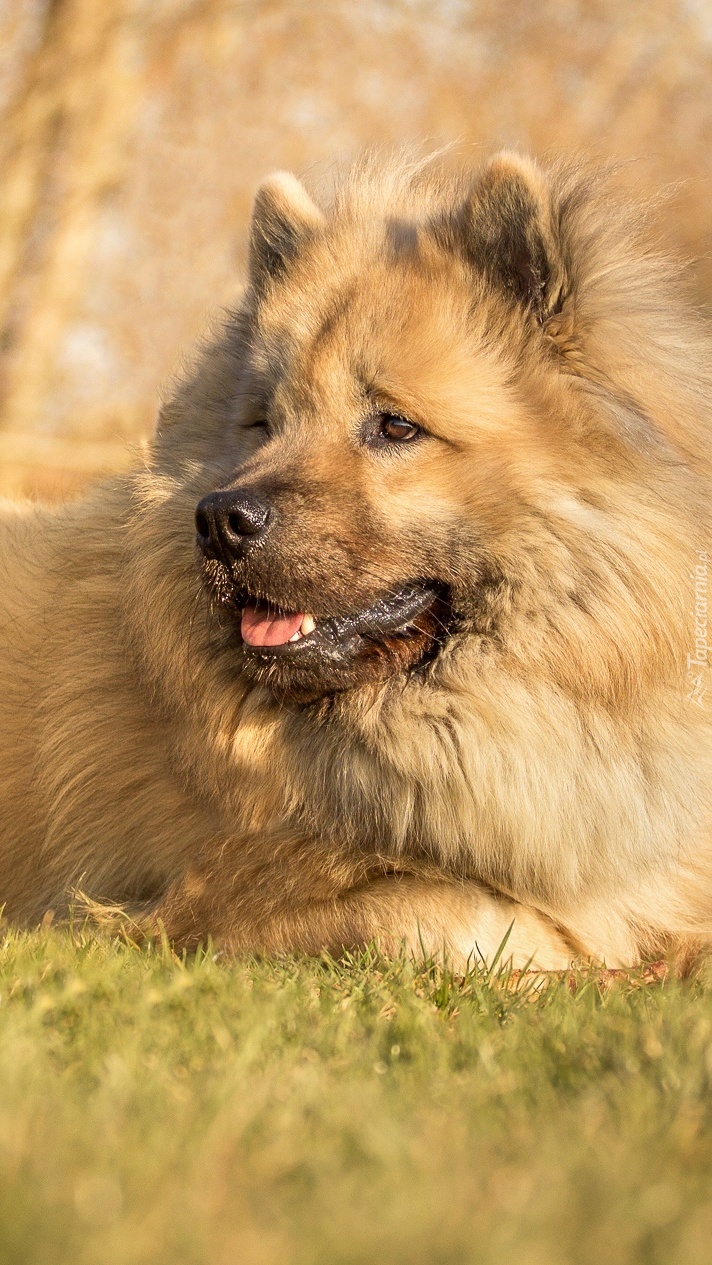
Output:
x=550 y=769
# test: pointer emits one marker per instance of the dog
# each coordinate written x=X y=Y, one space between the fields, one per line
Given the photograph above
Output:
x=398 y=635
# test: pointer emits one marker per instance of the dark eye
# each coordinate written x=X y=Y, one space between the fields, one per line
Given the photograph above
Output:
x=395 y=429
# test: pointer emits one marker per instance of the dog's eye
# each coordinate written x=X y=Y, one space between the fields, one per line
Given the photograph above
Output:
x=395 y=429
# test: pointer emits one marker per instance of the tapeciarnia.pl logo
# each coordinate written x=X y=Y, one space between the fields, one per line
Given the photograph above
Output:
x=698 y=662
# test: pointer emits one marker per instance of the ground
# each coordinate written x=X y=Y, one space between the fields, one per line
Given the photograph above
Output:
x=207 y=1112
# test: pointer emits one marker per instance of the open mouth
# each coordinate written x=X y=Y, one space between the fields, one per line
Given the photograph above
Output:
x=416 y=610
x=303 y=656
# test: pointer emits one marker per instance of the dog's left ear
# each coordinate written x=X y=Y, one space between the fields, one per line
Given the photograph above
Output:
x=283 y=218
x=507 y=228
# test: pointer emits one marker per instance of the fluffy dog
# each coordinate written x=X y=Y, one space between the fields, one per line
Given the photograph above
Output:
x=400 y=634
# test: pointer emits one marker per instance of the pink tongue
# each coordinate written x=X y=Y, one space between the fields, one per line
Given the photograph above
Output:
x=261 y=628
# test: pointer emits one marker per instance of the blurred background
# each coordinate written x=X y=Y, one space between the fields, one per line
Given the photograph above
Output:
x=133 y=134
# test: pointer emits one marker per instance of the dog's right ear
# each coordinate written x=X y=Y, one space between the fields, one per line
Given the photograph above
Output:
x=283 y=217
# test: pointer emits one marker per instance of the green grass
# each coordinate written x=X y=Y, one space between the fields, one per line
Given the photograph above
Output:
x=230 y=1113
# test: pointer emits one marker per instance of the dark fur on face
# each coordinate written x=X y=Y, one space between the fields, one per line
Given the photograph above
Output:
x=374 y=618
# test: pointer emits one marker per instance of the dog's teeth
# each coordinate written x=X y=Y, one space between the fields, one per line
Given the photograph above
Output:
x=307 y=625
x=297 y=636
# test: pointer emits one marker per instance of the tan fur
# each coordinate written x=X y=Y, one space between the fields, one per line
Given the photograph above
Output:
x=549 y=770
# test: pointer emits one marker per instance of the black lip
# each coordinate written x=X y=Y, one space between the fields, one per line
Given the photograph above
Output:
x=344 y=636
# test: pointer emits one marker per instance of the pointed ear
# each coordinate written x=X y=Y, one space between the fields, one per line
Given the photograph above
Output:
x=507 y=227
x=283 y=217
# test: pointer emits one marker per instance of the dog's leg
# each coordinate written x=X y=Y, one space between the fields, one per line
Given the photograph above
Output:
x=458 y=922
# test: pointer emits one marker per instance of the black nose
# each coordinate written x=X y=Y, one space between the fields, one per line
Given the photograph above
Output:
x=228 y=522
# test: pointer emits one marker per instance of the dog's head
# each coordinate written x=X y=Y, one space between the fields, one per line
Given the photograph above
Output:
x=411 y=438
